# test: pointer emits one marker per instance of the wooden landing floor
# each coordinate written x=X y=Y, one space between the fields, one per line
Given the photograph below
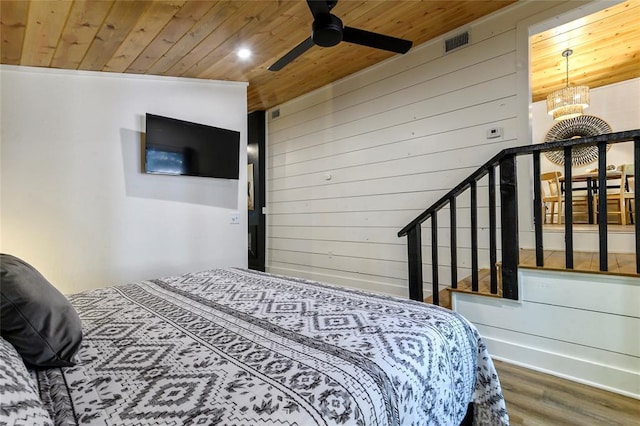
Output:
x=535 y=398
x=618 y=263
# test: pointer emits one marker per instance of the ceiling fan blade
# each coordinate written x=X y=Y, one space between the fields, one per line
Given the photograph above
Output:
x=292 y=55
x=318 y=7
x=375 y=40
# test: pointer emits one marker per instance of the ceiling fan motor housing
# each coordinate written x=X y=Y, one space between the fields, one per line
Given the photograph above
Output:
x=326 y=30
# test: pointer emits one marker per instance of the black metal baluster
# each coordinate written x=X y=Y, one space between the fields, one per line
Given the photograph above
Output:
x=509 y=212
x=492 y=230
x=537 y=209
x=568 y=210
x=454 y=243
x=602 y=206
x=434 y=258
x=636 y=198
x=414 y=244
x=474 y=236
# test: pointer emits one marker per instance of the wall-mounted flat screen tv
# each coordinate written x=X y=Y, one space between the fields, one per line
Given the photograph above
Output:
x=177 y=147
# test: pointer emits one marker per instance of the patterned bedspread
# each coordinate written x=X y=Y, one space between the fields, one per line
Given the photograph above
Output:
x=234 y=347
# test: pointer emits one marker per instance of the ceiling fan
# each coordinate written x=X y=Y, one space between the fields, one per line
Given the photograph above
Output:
x=327 y=30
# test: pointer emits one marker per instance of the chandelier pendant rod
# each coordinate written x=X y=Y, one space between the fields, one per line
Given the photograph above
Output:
x=566 y=54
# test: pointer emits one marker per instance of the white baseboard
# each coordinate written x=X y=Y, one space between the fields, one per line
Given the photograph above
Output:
x=581 y=327
x=601 y=376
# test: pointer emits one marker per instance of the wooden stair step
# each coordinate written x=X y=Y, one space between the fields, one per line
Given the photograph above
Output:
x=464 y=286
x=619 y=264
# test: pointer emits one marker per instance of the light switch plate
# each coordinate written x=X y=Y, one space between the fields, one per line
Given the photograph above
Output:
x=495 y=132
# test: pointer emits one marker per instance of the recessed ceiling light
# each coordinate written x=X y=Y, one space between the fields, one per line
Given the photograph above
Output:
x=244 y=53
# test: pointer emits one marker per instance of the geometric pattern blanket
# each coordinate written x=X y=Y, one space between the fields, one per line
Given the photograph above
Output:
x=238 y=347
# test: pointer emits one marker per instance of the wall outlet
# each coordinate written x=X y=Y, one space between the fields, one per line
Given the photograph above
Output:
x=234 y=218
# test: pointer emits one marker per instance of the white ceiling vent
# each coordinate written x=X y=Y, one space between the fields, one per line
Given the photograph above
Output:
x=456 y=42
x=275 y=114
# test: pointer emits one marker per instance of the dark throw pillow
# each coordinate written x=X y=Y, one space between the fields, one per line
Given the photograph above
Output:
x=36 y=318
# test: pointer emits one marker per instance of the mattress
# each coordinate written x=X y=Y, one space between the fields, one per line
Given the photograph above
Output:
x=237 y=347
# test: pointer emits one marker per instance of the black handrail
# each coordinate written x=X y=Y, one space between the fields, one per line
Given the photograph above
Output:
x=508 y=204
x=617 y=137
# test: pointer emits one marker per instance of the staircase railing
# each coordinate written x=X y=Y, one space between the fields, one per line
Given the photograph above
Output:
x=506 y=163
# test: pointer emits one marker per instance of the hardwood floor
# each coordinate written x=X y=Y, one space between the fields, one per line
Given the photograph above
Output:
x=535 y=398
x=619 y=263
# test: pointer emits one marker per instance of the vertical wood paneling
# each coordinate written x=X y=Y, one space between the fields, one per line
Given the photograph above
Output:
x=193 y=37
x=146 y=29
x=194 y=61
x=45 y=22
x=230 y=33
x=362 y=157
x=273 y=21
x=13 y=22
x=85 y=19
x=606 y=45
x=177 y=27
x=115 y=28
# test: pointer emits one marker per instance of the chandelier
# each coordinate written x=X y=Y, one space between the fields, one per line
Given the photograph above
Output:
x=568 y=102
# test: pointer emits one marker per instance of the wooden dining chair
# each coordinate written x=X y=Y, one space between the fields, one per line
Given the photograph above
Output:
x=620 y=198
x=551 y=196
x=626 y=193
x=553 y=200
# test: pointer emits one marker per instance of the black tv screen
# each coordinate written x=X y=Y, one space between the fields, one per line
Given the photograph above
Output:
x=177 y=147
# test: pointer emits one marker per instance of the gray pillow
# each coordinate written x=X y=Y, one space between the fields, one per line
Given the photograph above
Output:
x=19 y=400
x=36 y=318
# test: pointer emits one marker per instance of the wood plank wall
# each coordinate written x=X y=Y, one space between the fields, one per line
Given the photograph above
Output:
x=350 y=164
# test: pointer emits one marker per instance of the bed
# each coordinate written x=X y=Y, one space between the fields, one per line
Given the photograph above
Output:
x=238 y=347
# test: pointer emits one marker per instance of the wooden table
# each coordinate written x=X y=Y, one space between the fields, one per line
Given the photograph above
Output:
x=591 y=179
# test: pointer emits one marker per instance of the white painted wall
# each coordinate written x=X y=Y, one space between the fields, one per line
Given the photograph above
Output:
x=74 y=202
x=584 y=327
x=352 y=163
x=617 y=104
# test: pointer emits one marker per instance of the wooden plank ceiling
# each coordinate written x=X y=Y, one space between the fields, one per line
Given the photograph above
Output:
x=200 y=39
x=606 y=50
